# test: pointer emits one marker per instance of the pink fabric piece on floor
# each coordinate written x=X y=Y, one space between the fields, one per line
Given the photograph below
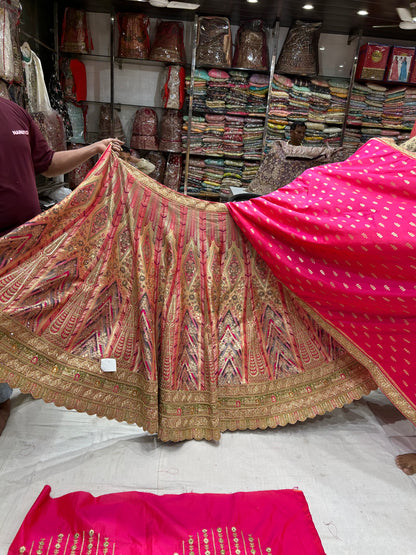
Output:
x=135 y=523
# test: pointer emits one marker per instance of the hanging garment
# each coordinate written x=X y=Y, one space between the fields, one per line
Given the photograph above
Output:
x=251 y=49
x=10 y=59
x=37 y=93
x=285 y=162
x=203 y=337
x=173 y=93
x=138 y=523
x=52 y=128
x=75 y=36
x=168 y=44
x=299 y=54
x=78 y=118
x=110 y=124
x=133 y=39
x=58 y=104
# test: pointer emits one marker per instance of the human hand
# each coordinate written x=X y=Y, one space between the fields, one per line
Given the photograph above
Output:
x=116 y=145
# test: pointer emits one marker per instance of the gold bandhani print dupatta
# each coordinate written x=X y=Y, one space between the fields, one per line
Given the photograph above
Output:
x=203 y=337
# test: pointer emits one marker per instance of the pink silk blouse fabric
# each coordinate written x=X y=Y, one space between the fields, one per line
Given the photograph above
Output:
x=136 y=523
x=342 y=237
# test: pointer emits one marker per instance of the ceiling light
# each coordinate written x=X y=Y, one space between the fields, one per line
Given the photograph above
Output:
x=159 y=3
x=322 y=48
x=252 y=1
x=362 y=12
x=308 y=7
x=183 y=5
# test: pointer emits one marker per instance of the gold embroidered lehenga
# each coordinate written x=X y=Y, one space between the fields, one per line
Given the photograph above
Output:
x=205 y=338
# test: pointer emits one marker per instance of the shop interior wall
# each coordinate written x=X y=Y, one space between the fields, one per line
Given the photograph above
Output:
x=141 y=85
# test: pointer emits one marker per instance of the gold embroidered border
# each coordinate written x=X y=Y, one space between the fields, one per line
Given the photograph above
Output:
x=375 y=370
x=34 y=366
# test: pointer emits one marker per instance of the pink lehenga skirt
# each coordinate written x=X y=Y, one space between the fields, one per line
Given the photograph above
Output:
x=202 y=336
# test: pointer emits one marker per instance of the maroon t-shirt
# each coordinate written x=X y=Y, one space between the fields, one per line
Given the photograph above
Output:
x=23 y=153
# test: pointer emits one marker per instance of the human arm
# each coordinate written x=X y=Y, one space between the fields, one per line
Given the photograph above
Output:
x=66 y=160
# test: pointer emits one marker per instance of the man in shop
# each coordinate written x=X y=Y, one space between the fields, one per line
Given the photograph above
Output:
x=297 y=133
x=24 y=153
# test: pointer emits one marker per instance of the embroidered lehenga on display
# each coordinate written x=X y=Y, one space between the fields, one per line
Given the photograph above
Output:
x=204 y=336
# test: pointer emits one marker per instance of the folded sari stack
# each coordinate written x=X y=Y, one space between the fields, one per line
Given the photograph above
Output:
x=238 y=93
x=299 y=103
x=253 y=138
x=352 y=138
x=201 y=78
x=278 y=109
x=409 y=110
x=314 y=135
x=198 y=126
x=374 y=105
x=357 y=104
x=212 y=139
x=196 y=175
x=217 y=92
x=393 y=108
x=332 y=136
x=249 y=171
x=258 y=90
x=233 y=136
x=319 y=100
x=233 y=173
x=339 y=93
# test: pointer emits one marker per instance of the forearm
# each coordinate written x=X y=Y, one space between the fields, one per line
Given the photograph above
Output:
x=66 y=160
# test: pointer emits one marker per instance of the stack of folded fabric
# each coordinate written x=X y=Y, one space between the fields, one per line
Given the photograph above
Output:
x=338 y=89
x=357 y=104
x=314 y=135
x=332 y=136
x=352 y=138
x=249 y=171
x=374 y=100
x=258 y=90
x=201 y=79
x=233 y=136
x=319 y=100
x=233 y=173
x=217 y=92
x=212 y=139
x=214 y=173
x=392 y=114
x=409 y=109
x=253 y=138
x=198 y=127
x=196 y=175
x=278 y=109
x=299 y=102
x=238 y=93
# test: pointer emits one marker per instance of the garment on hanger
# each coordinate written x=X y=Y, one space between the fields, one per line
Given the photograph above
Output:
x=57 y=102
x=37 y=93
x=10 y=59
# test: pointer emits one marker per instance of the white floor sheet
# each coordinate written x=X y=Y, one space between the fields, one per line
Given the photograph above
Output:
x=361 y=503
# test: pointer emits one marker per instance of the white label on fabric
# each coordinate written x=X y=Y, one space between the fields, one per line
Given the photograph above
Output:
x=108 y=365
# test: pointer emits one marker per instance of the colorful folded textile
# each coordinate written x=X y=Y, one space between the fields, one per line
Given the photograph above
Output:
x=135 y=523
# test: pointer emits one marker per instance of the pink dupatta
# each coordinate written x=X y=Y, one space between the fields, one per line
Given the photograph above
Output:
x=136 y=523
x=342 y=237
